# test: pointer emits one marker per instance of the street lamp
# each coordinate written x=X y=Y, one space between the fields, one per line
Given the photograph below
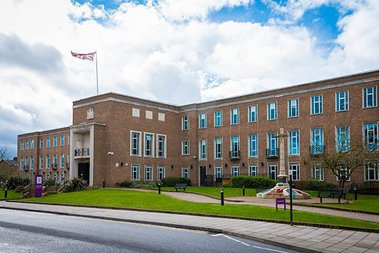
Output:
x=290 y=183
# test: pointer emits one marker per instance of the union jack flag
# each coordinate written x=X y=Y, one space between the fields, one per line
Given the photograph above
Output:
x=88 y=56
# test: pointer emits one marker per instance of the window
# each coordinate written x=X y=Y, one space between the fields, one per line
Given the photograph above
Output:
x=294 y=143
x=235 y=118
x=218 y=148
x=253 y=145
x=369 y=97
x=161 y=146
x=218 y=172
x=62 y=140
x=203 y=150
x=48 y=142
x=371 y=171
x=41 y=162
x=293 y=108
x=148 y=173
x=32 y=162
x=161 y=116
x=343 y=173
x=148 y=114
x=371 y=135
x=317 y=141
x=185 y=172
x=47 y=176
x=21 y=163
x=55 y=160
x=135 y=112
x=31 y=144
x=47 y=161
x=185 y=147
x=272 y=112
x=55 y=141
x=273 y=171
x=185 y=123
x=135 y=172
x=218 y=119
x=342 y=101
x=149 y=144
x=343 y=139
x=161 y=173
x=55 y=177
x=294 y=169
x=316 y=104
x=253 y=170
x=26 y=162
x=22 y=147
x=235 y=147
x=235 y=171
x=61 y=178
x=272 y=145
x=62 y=161
x=135 y=143
x=27 y=145
x=318 y=172
x=253 y=113
x=203 y=120
x=41 y=143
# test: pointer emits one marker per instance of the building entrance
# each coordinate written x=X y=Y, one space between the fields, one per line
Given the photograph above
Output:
x=83 y=171
x=203 y=175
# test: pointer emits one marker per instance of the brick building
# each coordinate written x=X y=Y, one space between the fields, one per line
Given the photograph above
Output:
x=115 y=137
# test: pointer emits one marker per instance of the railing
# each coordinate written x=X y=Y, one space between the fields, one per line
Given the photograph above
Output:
x=234 y=155
x=272 y=153
x=80 y=152
x=316 y=150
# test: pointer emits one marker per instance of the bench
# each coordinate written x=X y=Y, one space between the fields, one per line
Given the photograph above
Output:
x=332 y=194
x=180 y=186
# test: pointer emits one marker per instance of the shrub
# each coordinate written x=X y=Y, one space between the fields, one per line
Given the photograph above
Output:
x=125 y=183
x=253 y=182
x=172 y=181
x=49 y=182
x=13 y=182
x=143 y=185
x=76 y=184
x=314 y=185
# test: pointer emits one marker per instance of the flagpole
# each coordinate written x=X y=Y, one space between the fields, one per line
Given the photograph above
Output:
x=97 y=77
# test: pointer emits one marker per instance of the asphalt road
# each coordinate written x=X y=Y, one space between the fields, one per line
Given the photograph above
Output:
x=22 y=231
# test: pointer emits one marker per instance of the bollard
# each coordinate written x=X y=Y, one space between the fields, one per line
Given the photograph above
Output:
x=103 y=184
x=355 y=193
x=222 y=196
x=243 y=190
x=6 y=193
x=159 y=188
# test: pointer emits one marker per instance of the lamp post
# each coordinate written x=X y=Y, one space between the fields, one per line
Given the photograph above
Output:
x=290 y=182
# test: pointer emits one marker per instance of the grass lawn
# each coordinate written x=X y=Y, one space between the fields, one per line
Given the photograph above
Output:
x=153 y=201
x=11 y=194
x=215 y=191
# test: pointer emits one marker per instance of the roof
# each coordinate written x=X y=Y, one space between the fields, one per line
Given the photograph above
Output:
x=9 y=162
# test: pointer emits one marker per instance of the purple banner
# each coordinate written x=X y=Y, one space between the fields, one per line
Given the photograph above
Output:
x=38 y=185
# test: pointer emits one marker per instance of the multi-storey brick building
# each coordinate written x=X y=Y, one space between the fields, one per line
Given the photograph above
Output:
x=116 y=137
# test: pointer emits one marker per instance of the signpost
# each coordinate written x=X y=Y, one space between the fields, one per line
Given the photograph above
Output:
x=280 y=201
x=38 y=185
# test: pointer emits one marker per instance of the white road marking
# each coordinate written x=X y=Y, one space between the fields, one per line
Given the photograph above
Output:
x=273 y=250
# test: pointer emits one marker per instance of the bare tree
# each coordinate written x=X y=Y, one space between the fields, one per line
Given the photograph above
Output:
x=3 y=153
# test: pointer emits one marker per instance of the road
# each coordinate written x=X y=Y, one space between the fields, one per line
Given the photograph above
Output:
x=22 y=231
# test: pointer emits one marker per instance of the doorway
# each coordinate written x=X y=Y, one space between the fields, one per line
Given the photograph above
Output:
x=83 y=171
x=203 y=175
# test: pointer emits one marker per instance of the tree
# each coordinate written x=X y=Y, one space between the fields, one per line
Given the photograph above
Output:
x=3 y=153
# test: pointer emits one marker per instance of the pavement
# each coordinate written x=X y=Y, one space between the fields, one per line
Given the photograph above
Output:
x=296 y=237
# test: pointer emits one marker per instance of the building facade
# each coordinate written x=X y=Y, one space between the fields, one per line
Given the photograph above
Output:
x=114 y=137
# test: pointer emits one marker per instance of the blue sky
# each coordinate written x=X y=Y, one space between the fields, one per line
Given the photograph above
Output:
x=174 y=51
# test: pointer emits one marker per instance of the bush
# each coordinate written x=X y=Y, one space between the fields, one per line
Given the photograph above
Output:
x=13 y=182
x=49 y=182
x=125 y=183
x=253 y=182
x=172 y=181
x=314 y=185
x=76 y=184
x=143 y=185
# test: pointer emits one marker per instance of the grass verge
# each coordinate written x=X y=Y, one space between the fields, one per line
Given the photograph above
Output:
x=11 y=194
x=215 y=191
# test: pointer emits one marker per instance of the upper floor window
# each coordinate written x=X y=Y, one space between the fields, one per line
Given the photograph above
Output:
x=371 y=135
x=272 y=144
x=272 y=111
x=47 y=161
x=203 y=150
x=218 y=119
x=48 y=142
x=149 y=144
x=218 y=148
x=253 y=113
x=235 y=147
x=41 y=143
x=55 y=161
x=135 y=144
x=235 y=118
x=294 y=142
x=62 y=140
x=32 y=162
x=343 y=139
x=253 y=145
x=55 y=141
x=31 y=144
x=185 y=123
x=22 y=147
x=161 y=146
x=317 y=141
x=41 y=162
x=203 y=120
x=293 y=108
x=369 y=97
x=342 y=101
x=27 y=145
x=316 y=104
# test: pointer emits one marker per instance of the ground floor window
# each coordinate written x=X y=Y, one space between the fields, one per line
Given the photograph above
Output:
x=294 y=169
x=148 y=173
x=343 y=173
x=218 y=172
x=47 y=176
x=235 y=171
x=55 y=176
x=135 y=172
x=161 y=173
x=318 y=172
x=61 y=178
x=272 y=171
x=185 y=172
x=253 y=170
x=371 y=171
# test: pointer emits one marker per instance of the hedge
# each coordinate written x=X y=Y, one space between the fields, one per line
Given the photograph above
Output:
x=172 y=181
x=253 y=182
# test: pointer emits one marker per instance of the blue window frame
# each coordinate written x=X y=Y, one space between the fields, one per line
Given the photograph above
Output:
x=294 y=142
x=203 y=150
x=185 y=123
x=369 y=97
x=235 y=116
x=272 y=111
x=317 y=141
x=253 y=113
x=272 y=142
x=218 y=148
x=342 y=101
x=48 y=142
x=235 y=146
x=218 y=119
x=371 y=135
x=293 y=108
x=203 y=120
x=253 y=170
x=316 y=104
x=343 y=139
x=253 y=145
x=55 y=141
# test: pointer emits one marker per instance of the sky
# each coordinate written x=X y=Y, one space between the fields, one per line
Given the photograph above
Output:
x=172 y=51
